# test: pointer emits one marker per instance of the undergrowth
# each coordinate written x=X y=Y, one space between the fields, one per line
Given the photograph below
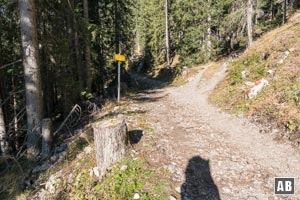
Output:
x=74 y=177
x=118 y=183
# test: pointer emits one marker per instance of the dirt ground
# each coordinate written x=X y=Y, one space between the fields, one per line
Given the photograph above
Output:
x=210 y=154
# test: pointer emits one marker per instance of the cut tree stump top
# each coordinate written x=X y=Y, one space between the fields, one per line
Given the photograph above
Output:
x=108 y=123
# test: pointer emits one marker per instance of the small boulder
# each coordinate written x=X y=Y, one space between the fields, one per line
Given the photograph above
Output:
x=88 y=149
x=123 y=167
x=136 y=196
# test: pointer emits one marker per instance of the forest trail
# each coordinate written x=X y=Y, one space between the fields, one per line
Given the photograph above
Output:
x=210 y=154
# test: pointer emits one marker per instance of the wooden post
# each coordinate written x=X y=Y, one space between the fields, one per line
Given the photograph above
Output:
x=111 y=142
x=47 y=138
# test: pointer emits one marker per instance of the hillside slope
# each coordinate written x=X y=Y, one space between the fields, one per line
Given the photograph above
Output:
x=274 y=57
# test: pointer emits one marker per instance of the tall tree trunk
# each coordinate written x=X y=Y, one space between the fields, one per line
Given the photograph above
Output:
x=137 y=46
x=3 y=136
x=4 y=94
x=46 y=63
x=117 y=34
x=3 y=116
x=87 y=48
x=15 y=117
x=209 y=43
x=167 y=33
x=76 y=46
x=272 y=10
x=284 y=11
x=209 y=32
x=250 y=22
x=33 y=88
x=77 y=52
x=256 y=15
x=72 y=64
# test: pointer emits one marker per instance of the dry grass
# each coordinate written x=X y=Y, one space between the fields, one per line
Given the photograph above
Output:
x=175 y=60
x=211 y=70
x=186 y=74
x=279 y=103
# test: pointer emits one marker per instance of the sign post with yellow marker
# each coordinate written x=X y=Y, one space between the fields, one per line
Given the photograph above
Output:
x=120 y=58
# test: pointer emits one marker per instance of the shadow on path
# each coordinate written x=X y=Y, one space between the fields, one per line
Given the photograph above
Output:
x=145 y=83
x=199 y=184
x=135 y=136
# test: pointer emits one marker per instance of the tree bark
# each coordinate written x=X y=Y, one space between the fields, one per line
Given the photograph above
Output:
x=47 y=62
x=47 y=137
x=137 y=38
x=110 y=143
x=117 y=34
x=250 y=22
x=209 y=43
x=15 y=118
x=167 y=33
x=284 y=11
x=77 y=52
x=32 y=76
x=272 y=10
x=3 y=136
x=87 y=48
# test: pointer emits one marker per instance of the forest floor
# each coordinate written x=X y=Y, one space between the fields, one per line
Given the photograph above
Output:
x=182 y=148
x=211 y=154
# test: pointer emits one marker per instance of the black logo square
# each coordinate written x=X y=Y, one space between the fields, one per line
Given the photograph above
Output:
x=284 y=186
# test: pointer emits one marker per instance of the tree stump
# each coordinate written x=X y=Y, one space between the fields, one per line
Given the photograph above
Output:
x=47 y=137
x=111 y=142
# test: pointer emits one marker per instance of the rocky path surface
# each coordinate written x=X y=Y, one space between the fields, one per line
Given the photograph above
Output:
x=213 y=155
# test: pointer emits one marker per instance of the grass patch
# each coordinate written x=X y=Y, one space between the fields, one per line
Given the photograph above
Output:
x=137 y=178
x=117 y=183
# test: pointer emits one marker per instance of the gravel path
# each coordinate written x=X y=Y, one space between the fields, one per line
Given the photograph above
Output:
x=213 y=155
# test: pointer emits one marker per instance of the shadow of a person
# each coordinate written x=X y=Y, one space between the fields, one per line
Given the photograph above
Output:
x=199 y=184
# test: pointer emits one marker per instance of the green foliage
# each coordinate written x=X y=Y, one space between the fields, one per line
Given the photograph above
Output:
x=150 y=28
x=86 y=94
x=117 y=184
x=199 y=30
x=253 y=65
x=190 y=22
x=291 y=125
x=124 y=184
x=187 y=30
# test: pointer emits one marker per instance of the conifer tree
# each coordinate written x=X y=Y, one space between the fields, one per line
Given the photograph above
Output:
x=33 y=88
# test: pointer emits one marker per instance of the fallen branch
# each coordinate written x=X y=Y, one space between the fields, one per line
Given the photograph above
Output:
x=71 y=120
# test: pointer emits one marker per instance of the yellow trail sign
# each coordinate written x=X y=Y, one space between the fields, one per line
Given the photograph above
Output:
x=120 y=58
